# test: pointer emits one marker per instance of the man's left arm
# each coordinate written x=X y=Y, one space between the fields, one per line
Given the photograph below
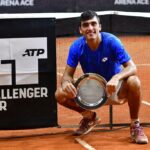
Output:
x=129 y=69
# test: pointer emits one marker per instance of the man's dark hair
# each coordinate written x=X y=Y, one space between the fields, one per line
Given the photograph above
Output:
x=89 y=14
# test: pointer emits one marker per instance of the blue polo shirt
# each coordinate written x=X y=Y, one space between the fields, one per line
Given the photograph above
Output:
x=106 y=60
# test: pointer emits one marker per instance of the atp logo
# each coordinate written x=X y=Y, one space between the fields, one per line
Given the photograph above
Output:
x=19 y=59
x=33 y=52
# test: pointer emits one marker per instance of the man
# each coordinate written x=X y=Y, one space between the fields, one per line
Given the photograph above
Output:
x=102 y=53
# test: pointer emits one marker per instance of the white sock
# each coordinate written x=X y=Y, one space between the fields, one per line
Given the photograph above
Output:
x=135 y=121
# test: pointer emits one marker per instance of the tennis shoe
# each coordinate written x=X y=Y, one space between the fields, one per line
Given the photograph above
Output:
x=137 y=134
x=86 y=125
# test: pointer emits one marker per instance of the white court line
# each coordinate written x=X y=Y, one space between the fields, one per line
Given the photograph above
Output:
x=61 y=74
x=141 y=65
x=84 y=144
x=146 y=103
x=78 y=67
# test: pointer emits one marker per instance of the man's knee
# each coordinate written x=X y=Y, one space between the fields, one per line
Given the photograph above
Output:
x=133 y=83
x=60 y=96
x=56 y=94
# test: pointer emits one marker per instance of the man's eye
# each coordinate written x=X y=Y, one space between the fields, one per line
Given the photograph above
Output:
x=93 y=23
x=85 y=24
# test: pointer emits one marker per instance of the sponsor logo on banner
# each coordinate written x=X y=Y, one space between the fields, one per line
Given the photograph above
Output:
x=19 y=65
x=131 y=2
x=16 y=2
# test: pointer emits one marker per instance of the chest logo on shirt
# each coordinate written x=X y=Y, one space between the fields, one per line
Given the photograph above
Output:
x=104 y=59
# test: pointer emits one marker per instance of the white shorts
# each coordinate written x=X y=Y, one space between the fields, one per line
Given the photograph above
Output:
x=113 y=99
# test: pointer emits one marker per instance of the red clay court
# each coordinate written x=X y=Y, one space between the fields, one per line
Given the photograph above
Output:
x=101 y=138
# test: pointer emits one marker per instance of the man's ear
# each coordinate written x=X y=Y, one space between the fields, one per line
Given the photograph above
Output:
x=80 y=30
x=100 y=27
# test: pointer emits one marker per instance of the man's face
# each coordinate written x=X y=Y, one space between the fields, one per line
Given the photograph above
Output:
x=90 y=29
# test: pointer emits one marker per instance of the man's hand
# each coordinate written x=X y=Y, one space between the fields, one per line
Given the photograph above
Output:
x=112 y=85
x=69 y=89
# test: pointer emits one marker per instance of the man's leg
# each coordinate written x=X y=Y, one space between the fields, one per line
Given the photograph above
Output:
x=132 y=89
x=90 y=118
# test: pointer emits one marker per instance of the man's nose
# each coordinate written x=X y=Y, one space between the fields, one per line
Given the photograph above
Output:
x=90 y=27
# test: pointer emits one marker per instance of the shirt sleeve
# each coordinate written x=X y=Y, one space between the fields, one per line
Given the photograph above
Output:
x=72 y=59
x=120 y=53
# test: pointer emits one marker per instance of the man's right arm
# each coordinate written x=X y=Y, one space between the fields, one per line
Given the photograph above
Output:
x=67 y=82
